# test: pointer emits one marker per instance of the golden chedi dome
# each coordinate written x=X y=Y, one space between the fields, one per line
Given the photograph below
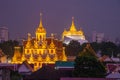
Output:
x=73 y=34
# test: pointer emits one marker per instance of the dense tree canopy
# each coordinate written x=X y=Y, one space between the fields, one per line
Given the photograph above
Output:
x=87 y=65
x=95 y=46
x=14 y=75
x=8 y=47
x=106 y=48
x=73 y=48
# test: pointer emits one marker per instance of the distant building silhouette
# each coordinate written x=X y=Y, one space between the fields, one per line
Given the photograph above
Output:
x=3 y=34
x=97 y=37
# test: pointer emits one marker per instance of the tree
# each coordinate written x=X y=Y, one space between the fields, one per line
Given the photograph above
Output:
x=15 y=75
x=108 y=48
x=95 y=46
x=8 y=47
x=87 y=64
x=73 y=48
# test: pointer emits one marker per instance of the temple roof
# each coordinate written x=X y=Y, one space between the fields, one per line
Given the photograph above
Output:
x=81 y=40
x=73 y=30
x=56 y=42
x=73 y=34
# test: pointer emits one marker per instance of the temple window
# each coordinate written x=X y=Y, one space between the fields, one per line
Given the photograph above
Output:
x=39 y=64
x=39 y=52
x=27 y=51
x=40 y=36
x=35 y=64
x=48 y=51
x=35 y=51
x=51 y=51
x=32 y=51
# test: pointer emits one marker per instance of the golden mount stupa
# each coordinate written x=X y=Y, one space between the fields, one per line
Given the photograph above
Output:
x=73 y=34
x=40 y=50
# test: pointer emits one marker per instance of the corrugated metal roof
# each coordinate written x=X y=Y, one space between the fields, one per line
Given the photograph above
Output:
x=64 y=64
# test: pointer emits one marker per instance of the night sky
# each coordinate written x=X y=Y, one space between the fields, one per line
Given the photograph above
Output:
x=22 y=16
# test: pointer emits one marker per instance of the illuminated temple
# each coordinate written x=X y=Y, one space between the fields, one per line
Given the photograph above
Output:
x=40 y=50
x=73 y=34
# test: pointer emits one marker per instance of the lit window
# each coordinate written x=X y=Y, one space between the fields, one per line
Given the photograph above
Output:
x=51 y=51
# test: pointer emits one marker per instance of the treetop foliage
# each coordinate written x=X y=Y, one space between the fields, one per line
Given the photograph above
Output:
x=88 y=65
x=105 y=48
x=8 y=47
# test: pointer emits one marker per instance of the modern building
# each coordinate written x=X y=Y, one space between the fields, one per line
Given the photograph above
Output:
x=98 y=37
x=73 y=34
x=40 y=49
x=3 y=34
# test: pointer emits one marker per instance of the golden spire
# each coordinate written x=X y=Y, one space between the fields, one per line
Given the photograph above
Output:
x=73 y=28
x=28 y=45
x=17 y=55
x=29 y=36
x=36 y=44
x=44 y=44
x=52 y=45
x=40 y=25
x=52 y=35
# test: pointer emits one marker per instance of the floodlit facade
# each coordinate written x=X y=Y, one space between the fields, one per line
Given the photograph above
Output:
x=73 y=34
x=40 y=50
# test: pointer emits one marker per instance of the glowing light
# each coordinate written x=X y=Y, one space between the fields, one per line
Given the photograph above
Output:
x=73 y=34
x=39 y=50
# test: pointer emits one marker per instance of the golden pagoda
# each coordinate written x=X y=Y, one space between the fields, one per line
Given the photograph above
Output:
x=41 y=49
x=73 y=34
